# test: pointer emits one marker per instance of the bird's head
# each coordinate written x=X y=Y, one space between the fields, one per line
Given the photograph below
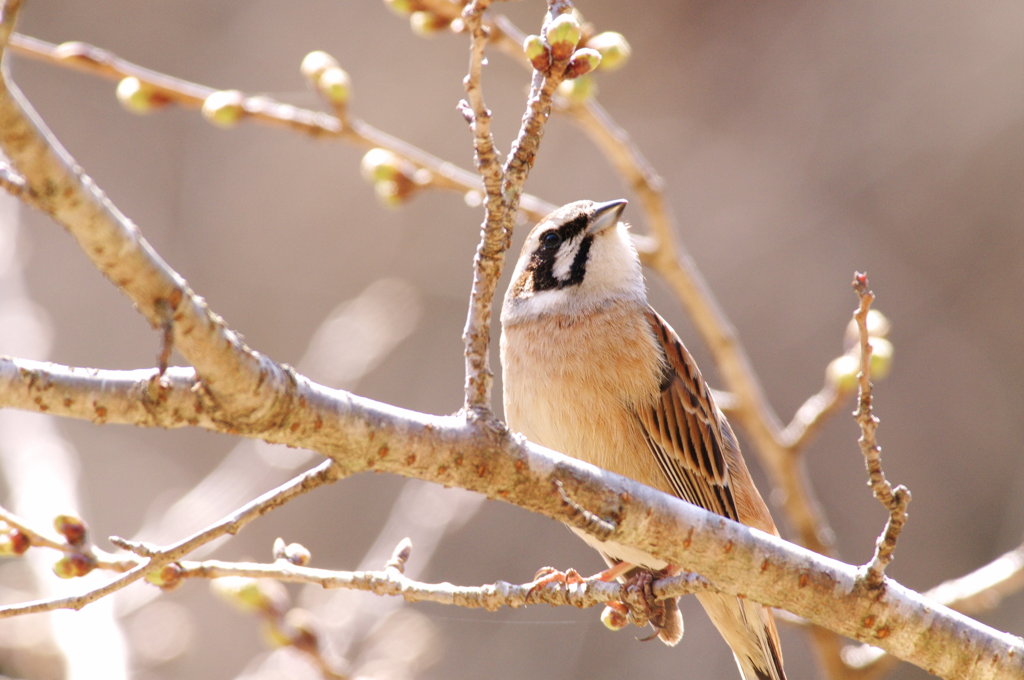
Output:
x=577 y=259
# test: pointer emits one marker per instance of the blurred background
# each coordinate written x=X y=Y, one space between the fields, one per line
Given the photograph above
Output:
x=798 y=141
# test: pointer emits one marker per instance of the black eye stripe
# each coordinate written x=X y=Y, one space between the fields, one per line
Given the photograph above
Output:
x=573 y=227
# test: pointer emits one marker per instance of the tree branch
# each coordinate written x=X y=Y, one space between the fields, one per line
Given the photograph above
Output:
x=157 y=557
x=93 y=60
x=894 y=500
x=360 y=434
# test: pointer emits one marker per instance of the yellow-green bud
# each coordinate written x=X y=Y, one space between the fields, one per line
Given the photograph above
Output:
x=389 y=193
x=881 y=358
x=335 y=85
x=537 y=52
x=167 y=576
x=224 y=108
x=583 y=61
x=614 y=618
x=137 y=96
x=246 y=594
x=274 y=636
x=380 y=165
x=315 y=63
x=878 y=325
x=614 y=49
x=301 y=628
x=578 y=90
x=842 y=372
x=563 y=35
x=400 y=7
x=427 y=24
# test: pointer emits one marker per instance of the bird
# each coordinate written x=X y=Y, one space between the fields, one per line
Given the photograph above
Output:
x=591 y=370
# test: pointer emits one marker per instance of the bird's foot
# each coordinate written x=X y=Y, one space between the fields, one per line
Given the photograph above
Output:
x=545 y=576
x=662 y=614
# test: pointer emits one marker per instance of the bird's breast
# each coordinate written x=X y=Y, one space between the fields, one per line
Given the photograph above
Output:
x=574 y=384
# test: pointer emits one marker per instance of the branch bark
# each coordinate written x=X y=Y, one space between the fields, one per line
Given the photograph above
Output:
x=360 y=435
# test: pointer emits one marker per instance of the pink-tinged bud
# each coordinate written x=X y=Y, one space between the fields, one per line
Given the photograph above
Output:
x=71 y=528
x=563 y=34
x=74 y=565
x=614 y=49
x=537 y=52
x=13 y=542
x=224 y=108
x=583 y=61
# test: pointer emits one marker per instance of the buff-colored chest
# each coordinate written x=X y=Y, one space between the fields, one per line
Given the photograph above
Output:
x=575 y=384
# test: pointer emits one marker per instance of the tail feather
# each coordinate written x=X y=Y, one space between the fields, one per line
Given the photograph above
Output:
x=749 y=629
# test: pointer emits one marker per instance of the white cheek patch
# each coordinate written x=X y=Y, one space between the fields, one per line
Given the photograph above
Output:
x=564 y=258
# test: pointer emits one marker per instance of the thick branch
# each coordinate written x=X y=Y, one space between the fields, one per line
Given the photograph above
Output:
x=360 y=434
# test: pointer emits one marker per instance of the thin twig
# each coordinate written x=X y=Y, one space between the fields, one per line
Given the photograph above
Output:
x=811 y=415
x=93 y=60
x=156 y=557
x=894 y=500
x=37 y=538
x=503 y=191
x=586 y=593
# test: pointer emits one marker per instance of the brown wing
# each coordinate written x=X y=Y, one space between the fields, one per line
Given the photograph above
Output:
x=692 y=441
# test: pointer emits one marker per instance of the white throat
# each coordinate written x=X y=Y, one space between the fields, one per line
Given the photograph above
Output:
x=613 y=275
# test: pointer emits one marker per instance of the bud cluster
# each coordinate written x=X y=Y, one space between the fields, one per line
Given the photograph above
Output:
x=324 y=74
x=567 y=40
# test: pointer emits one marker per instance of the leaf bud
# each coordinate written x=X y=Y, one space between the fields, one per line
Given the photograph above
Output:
x=537 y=52
x=315 y=63
x=71 y=528
x=224 y=108
x=614 y=49
x=74 y=565
x=583 y=61
x=578 y=90
x=563 y=35
x=138 y=96
x=614 y=618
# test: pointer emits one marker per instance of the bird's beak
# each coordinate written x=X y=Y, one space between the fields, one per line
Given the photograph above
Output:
x=606 y=215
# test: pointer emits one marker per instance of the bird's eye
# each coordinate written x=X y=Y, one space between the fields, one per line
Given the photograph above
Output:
x=551 y=239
